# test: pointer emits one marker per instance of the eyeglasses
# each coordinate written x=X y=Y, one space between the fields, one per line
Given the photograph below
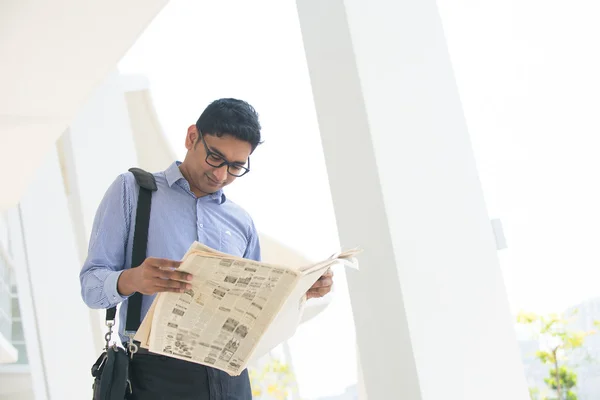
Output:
x=217 y=161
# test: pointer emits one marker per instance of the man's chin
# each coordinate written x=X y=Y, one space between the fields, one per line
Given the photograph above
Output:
x=212 y=187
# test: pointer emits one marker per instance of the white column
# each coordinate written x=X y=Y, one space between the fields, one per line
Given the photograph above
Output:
x=27 y=307
x=431 y=313
x=100 y=146
x=360 y=379
x=57 y=323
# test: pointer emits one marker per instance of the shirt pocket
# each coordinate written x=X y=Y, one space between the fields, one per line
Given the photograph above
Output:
x=233 y=242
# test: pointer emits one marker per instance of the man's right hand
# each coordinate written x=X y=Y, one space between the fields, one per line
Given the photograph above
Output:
x=153 y=276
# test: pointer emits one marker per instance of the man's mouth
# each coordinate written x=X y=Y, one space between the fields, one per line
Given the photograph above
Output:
x=214 y=182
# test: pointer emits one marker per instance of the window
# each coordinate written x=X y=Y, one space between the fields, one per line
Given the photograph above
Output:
x=17 y=335
x=11 y=326
x=5 y=300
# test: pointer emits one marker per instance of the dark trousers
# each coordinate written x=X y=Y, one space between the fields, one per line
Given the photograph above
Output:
x=155 y=377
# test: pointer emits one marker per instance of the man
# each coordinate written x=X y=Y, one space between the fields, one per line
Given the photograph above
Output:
x=189 y=205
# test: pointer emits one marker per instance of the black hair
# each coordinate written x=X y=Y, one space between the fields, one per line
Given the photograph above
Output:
x=231 y=117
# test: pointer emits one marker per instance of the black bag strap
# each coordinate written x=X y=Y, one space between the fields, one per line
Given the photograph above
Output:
x=147 y=185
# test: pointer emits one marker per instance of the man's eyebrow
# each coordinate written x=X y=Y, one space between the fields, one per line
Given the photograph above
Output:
x=217 y=152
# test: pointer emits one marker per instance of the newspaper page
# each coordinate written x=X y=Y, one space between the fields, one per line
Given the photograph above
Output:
x=222 y=318
x=286 y=322
x=143 y=333
x=237 y=310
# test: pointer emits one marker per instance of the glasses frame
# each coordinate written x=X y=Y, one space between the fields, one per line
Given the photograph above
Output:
x=225 y=162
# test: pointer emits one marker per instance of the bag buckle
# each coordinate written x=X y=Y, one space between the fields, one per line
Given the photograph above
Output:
x=131 y=346
x=109 y=324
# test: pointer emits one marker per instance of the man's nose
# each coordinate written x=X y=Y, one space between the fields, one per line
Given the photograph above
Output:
x=221 y=173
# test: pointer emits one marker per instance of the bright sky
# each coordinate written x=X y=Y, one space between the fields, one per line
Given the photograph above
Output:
x=527 y=75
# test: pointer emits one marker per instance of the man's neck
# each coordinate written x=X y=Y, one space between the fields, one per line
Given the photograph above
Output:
x=195 y=190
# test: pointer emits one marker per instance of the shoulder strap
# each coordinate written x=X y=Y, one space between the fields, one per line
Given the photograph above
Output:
x=147 y=185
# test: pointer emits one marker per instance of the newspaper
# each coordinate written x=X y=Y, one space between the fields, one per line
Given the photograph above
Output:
x=236 y=311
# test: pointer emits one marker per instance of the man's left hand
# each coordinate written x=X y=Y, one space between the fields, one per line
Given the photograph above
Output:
x=322 y=286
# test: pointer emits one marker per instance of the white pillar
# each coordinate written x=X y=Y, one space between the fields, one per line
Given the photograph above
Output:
x=57 y=323
x=27 y=306
x=97 y=147
x=360 y=379
x=431 y=313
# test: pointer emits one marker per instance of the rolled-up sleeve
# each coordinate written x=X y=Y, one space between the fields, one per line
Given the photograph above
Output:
x=107 y=248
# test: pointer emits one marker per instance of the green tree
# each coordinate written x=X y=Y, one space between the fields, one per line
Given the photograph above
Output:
x=534 y=394
x=273 y=380
x=558 y=341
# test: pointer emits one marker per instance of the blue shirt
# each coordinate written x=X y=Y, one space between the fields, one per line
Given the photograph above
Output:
x=177 y=219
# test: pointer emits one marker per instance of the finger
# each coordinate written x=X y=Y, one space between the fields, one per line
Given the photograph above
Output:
x=168 y=269
x=171 y=284
x=327 y=274
x=324 y=290
x=324 y=282
x=159 y=289
x=318 y=292
x=313 y=295
x=163 y=263
x=174 y=275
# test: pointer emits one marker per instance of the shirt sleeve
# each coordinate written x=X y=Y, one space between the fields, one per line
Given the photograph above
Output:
x=107 y=248
x=253 y=248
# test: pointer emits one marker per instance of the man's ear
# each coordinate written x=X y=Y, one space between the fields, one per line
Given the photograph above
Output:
x=191 y=137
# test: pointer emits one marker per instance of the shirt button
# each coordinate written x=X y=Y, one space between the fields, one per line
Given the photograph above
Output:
x=201 y=225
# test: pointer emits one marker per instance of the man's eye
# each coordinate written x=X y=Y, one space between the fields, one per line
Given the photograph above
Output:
x=236 y=167
x=215 y=158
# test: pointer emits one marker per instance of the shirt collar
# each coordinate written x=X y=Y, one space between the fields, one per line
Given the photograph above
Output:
x=174 y=175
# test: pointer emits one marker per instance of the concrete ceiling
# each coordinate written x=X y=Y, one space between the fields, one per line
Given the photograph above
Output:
x=54 y=53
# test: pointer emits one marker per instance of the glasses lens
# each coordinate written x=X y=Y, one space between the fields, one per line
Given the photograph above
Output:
x=237 y=170
x=217 y=162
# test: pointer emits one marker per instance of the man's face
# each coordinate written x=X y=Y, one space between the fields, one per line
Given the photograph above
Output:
x=205 y=178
